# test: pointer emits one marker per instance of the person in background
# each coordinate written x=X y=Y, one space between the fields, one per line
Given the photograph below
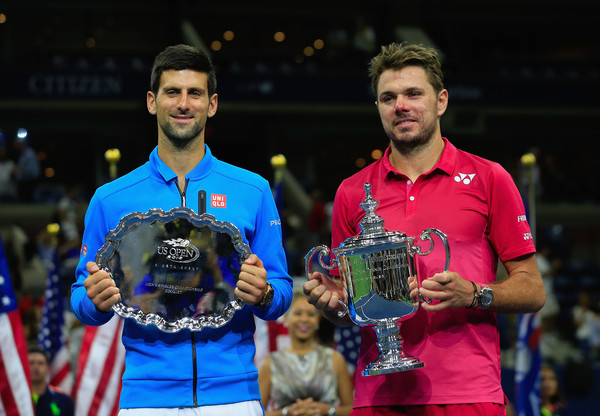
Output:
x=306 y=378
x=424 y=181
x=209 y=372
x=8 y=189
x=317 y=218
x=585 y=320
x=48 y=400
x=27 y=171
x=553 y=402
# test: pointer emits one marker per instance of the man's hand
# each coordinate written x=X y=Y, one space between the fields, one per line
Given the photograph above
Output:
x=324 y=292
x=451 y=290
x=252 y=281
x=101 y=289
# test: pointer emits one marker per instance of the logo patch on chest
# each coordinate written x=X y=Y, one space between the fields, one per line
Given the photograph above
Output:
x=218 y=201
x=465 y=178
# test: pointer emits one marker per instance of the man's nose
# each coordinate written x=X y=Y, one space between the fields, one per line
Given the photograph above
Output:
x=183 y=102
x=401 y=105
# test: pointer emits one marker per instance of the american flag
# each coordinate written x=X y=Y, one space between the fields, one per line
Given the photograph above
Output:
x=51 y=336
x=347 y=342
x=527 y=366
x=269 y=336
x=100 y=369
x=15 y=394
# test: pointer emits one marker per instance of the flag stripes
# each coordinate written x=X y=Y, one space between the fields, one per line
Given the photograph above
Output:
x=99 y=371
x=15 y=393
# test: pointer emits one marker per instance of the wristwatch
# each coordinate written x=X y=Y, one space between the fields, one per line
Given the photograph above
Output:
x=485 y=298
x=267 y=298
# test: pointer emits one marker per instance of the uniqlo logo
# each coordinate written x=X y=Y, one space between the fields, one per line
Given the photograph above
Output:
x=84 y=250
x=218 y=201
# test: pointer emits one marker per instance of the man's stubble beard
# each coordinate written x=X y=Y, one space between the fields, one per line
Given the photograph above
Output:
x=412 y=144
x=181 y=139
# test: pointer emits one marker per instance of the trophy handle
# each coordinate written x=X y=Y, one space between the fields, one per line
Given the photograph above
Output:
x=323 y=251
x=426 y=235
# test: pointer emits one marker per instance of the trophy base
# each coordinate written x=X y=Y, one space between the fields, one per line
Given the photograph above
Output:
x=380 y=366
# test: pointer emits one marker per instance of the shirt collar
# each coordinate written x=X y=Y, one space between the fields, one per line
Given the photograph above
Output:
x=445 y=163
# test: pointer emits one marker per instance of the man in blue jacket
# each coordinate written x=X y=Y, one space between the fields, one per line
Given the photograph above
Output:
x=210 y=372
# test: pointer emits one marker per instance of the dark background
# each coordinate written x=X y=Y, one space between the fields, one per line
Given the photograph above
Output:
x=522 y=76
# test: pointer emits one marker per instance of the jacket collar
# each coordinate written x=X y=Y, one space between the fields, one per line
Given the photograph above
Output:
x=200 y=171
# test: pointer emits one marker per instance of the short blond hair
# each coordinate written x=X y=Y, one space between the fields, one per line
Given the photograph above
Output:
x=396 y=56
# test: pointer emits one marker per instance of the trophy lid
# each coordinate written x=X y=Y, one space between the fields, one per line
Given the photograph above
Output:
x=371 y=223
x=373 y=233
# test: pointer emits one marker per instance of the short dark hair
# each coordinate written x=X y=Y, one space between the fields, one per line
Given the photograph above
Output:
x=180 y=57
x=34 y=349
x=396 y=56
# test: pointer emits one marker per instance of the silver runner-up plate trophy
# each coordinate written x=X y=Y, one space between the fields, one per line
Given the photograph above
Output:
x=374 y=267
x=175 y=269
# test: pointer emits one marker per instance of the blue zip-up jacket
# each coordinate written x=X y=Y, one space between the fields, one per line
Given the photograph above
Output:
x=212 y=366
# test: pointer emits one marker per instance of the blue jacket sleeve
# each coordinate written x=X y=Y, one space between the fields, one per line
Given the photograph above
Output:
x=93 y=239
x=267 y=244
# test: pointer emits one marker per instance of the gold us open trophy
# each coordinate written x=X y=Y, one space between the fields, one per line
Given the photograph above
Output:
x=374 y=267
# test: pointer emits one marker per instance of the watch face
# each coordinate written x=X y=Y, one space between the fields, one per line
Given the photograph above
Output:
x=486 y=297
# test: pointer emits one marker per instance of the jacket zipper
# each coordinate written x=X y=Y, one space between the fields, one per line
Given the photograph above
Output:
x=182 y=193
x=195 y=370
x=201 y=210
x=194 y=358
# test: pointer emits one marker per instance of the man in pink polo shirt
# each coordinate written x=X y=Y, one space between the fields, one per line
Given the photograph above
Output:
x=421 y=182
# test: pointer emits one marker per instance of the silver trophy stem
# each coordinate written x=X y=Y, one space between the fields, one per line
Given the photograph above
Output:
x=392 y=358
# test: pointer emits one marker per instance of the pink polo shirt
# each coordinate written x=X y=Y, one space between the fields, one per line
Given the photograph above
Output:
x=477 y=205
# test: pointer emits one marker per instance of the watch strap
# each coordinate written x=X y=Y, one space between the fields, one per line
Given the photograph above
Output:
x=267 y=298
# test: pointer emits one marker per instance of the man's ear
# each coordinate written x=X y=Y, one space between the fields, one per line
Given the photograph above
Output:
x=212 y=105
x=442 y=102
x=151 y=102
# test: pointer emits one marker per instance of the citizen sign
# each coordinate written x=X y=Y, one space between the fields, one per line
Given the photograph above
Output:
x=75 y=85
x=179 y=250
